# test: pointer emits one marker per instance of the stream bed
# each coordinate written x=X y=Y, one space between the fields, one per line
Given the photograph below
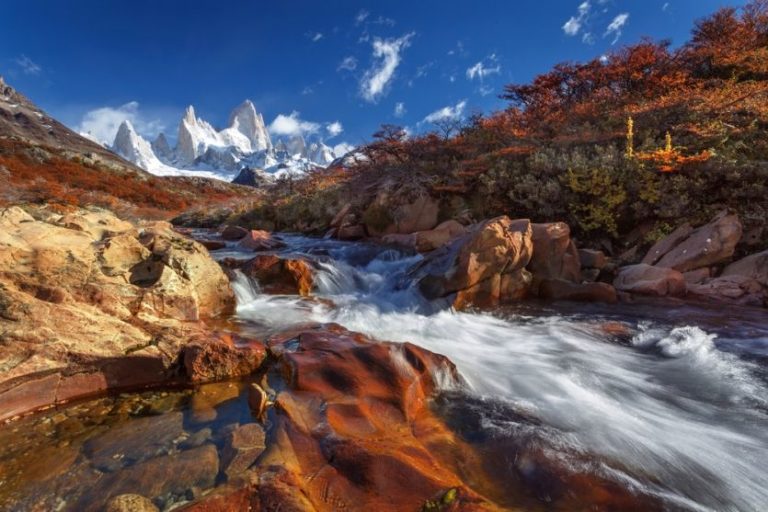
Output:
x=665 y=399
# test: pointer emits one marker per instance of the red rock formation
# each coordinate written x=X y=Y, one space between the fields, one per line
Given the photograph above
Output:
x=281 y=275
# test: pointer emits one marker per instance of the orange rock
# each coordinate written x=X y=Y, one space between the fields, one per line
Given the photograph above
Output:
x=650 y=280
x=554 y=254
x=222 y=358
x=278 y=275
x=258 y=240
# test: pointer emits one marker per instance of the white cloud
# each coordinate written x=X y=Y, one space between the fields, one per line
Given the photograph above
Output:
x=616 y=26
x=574 y=24
x=665 y=7
x=316 y=37
x=102 y=124
x=361 y=17
x=292 y=125
x=349 y=64
x=28 y=66
x=400 y=109
x=375 y=81
x=484 y=90
x=445 y=113
x=604 y=59
x=335 y=128
x=480 y=70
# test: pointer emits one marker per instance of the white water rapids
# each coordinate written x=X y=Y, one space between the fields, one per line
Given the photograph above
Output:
x=668 y=412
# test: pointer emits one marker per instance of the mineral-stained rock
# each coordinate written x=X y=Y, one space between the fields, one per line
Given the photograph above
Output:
x=442 y=234
x=242 y=447
x=707 y=245
x=222 y=357
x=475 y=264
x=650 y=280
x=278 y=275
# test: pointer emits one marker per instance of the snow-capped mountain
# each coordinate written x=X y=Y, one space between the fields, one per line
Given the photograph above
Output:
x=201 y=150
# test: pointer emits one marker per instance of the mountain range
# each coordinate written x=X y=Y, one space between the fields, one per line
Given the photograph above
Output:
x=201 y=150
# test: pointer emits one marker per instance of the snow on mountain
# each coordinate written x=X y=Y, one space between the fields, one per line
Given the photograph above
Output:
x=201 y=150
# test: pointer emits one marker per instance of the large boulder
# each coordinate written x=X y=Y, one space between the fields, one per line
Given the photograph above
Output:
x=754 y=266
x=555 y=255
x=483 y=267
x=443 y=233
x=707 y=245
x=222 y=357
x=646 y=279
x=281 y=276
x=559 y=289
x=90 y=303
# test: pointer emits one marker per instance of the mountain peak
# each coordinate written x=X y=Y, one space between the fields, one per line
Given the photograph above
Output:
x=250 y=123
x=189 y=115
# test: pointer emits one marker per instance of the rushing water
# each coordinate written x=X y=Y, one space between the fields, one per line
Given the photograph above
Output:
x=669 y=400
x=666 y=400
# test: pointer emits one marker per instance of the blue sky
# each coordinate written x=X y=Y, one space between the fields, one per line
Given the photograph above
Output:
x=307 y=64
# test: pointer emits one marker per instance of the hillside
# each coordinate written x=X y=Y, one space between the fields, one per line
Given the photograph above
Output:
x=623 y=148
x=43 y=161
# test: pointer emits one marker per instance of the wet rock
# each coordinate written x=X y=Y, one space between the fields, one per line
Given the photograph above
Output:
x=554 y=254
x=212 y=245
x=591 y=258
x=134 y=440
x=130 y=503
x=243 y=446
x=257 y=240
x=559 y=289
x=353 y=429
x=754 y=266
x=257 y=400
x=224 y=357
x=159 y=477
x=209 y=396
x=733 y=289
x=233 y=233
x=650 y=280
x=338 y=219
x=277 y=275
x=475 y=264
x=707 y=245
x=199 y=438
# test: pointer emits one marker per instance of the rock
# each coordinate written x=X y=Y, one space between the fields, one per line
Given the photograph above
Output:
x=354 y=424
x=277 y=275
x=224 y=357
x=645 y=279
x=257 y=240
x=559 y=289
x=212 y=245
x=590 y=275
x=487 y=252
x=590 y=258
x=754 y=266
x=351 y=232
x=697 y=276
x=208 y=397
x=444 y=233
x=131 y=503
x=242 y=447
x=134 y=440
x=408 y=241
x=666 y=244
x=253 y=178
x=85 y=309
x=385 y=218
x=257 y=400
x=707 y=245
x=160 y=476
x=233 y=233
x=554 y=254
x=733 y=289
x=336 y=222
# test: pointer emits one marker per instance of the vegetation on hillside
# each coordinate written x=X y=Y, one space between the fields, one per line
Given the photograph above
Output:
x=628 y=145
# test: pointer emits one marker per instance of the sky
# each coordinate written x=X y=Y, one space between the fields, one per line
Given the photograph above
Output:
x=334 y=70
